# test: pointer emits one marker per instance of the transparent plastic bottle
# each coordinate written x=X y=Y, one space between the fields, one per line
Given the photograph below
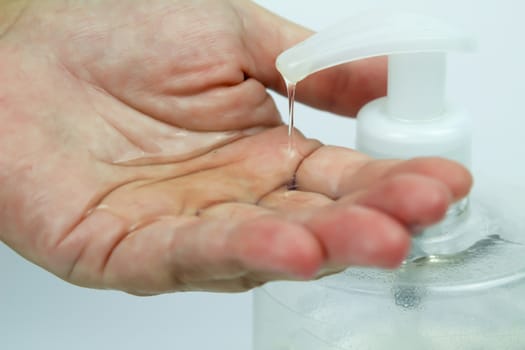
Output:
x=469 y=300
x=463 y=286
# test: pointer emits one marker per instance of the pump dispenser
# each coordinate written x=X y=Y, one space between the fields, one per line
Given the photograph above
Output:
x=414 y=118
x=462 y=287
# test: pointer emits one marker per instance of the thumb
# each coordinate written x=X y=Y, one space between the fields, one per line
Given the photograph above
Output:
x=343 y=89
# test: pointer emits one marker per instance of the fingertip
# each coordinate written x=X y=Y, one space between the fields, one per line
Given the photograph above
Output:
x=451 y=173
x=414 y=200
x=462 y=182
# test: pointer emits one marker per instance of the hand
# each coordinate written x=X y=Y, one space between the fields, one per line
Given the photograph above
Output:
x=140 y=151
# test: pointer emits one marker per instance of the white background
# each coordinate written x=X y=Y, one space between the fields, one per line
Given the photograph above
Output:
x=38 y=311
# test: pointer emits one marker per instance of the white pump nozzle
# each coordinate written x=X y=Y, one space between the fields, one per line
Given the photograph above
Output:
x=416 y=45
x=376 y=34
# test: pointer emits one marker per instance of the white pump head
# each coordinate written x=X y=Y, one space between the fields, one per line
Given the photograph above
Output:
x=375 y=34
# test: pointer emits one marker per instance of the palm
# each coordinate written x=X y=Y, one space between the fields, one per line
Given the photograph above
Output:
x=158 y=161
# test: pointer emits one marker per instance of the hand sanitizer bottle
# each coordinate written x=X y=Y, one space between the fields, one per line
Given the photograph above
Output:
x=463 y=285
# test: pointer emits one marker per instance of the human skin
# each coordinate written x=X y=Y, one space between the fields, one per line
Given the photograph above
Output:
x=140 y=151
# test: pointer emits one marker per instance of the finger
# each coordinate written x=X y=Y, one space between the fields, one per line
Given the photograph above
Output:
x=343 y=89
x=414 y=200
x=175 y=254
x=340 y=163
x=452 y=174
x=164 y=256
x=352 y=171
x=359 y=236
